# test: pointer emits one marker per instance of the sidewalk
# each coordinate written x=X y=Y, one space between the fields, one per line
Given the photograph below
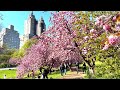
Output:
x=7 y=68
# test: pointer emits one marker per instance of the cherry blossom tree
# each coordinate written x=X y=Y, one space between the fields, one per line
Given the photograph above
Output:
x=73 y=36
x=54 y=46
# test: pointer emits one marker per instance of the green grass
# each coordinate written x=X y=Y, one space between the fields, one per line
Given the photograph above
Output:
x=9 y=73
x=12 y=74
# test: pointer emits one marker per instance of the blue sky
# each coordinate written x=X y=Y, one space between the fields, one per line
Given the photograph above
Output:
x=17 y=18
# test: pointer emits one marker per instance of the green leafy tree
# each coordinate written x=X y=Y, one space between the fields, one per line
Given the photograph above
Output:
x=21 y=52
x=5 y=55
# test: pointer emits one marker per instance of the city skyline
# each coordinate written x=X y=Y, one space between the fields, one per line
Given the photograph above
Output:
x=17 y=18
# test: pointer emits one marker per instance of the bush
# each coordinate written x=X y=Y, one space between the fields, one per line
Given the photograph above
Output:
x=4 y=61
x=109 y=64
x=4 y=58
x=5 y=55
x=6 y=65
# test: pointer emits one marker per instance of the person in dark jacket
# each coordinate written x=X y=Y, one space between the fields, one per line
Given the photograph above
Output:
x=65 y=68
x=50 y=69
x=77 y=66
x=33 y=74
x=45 y=73
x=38 y=76
x=40 y=69
x=28 y=75
x=84 y=68
x=62 y=68
x=70 y=65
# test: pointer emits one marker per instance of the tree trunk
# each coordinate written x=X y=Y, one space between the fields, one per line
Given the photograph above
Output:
x=93 y=68
x=76 y=45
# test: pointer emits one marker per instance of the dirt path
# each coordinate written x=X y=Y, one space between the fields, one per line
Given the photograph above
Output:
x=73 y=75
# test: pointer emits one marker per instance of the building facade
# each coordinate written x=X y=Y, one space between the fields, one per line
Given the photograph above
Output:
x=33 y=27
x=9 y=38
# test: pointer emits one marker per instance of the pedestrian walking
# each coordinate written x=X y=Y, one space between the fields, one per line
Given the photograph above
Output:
x=84 y=68
x=38 y=76
x=45 y=73
x=77 y=67
x=33 y=74
x=62 y=67
x=70 y=65
x=40 y=70
x=65 y=68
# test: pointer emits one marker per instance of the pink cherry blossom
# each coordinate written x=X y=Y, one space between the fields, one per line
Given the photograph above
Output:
x=118 y=27
x=106 y=27
x=112 y=39
x=54 y=46
x=93 y=31
x=86 y=38
x=106 y=47
x=114 y=18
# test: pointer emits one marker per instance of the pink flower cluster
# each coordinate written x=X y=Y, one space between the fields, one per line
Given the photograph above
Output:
x=114 y=18
x=86 y=38
x=113 y=40
x=106 y=27
x=100 y=20
x=106 y=47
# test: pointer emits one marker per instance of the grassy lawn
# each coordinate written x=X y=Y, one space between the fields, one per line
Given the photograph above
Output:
x=9 y=73
x=12 y=74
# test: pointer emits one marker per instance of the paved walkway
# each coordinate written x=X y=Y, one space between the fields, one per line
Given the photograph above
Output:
x=73 y=75
x=7 y=68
